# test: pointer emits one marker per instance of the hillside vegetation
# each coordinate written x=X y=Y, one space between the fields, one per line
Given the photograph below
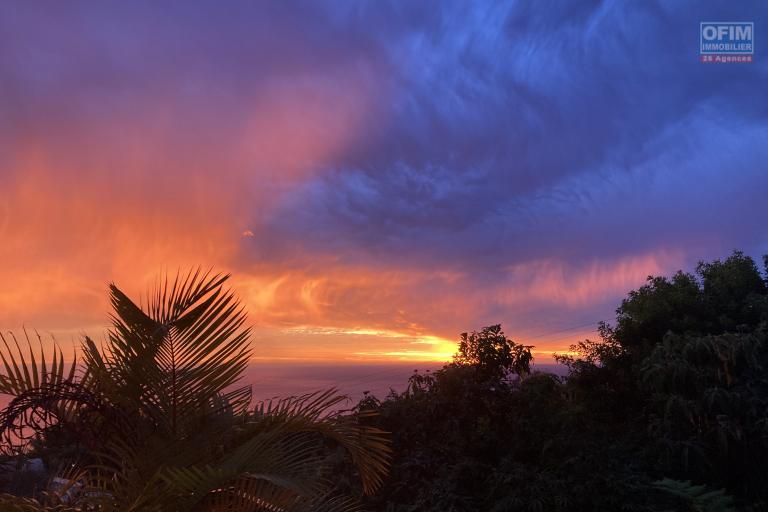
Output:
x=668 y=410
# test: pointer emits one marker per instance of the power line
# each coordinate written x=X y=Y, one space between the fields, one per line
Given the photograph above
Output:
x=543 y=335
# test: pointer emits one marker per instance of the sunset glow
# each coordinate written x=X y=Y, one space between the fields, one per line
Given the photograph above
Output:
x=365 y=195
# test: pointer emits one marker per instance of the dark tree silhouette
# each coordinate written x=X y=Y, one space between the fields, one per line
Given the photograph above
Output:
x=493 y=353
x=666 y=411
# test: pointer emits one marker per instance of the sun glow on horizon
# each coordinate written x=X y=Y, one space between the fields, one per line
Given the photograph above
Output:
x=310 y=180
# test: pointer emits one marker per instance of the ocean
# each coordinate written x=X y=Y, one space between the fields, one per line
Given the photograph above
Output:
x=274 y=380
x=271 y=380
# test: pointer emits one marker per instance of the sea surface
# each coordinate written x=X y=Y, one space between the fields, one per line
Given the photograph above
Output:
x=280 y=380
x=274 y=380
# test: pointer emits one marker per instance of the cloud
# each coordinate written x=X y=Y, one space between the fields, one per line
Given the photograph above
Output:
x=372 y=168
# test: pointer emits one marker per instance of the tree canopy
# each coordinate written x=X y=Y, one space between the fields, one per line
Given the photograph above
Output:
x=491 y=352
x=667 y=410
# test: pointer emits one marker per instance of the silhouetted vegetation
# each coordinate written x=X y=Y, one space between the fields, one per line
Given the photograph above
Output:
x=153 y=419
x=667 y=411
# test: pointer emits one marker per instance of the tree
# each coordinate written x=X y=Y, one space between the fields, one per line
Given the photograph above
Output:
x=720 y=297
x=734 y=292
x=492 y=353
x=686 y=362
x=160 y=422
x=666 y=411
x=466 y=438
x=662 y=304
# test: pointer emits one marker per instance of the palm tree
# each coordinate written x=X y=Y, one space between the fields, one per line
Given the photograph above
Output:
x=153 y=418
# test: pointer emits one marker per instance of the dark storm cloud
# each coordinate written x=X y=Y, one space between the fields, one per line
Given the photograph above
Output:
x=521 y=129
x=413 y=166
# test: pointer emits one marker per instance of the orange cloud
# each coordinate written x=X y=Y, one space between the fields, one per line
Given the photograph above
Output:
x=124 y=198
x=355 y=298
x=294 y=128
x=558 y=283
x=132 y=194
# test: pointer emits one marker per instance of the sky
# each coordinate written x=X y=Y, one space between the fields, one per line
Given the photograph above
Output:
x=377 y=176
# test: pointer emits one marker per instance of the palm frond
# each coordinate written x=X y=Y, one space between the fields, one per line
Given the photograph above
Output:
x=23 y=373
x=184 y=349
x=699 y=497
x=11 y=503
x=369 y=447
x=165 y=424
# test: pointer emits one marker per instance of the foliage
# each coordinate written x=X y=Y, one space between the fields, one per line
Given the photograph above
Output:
x=699 y=497
x=154 y=419
x=666 y=411
x=493 y=353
